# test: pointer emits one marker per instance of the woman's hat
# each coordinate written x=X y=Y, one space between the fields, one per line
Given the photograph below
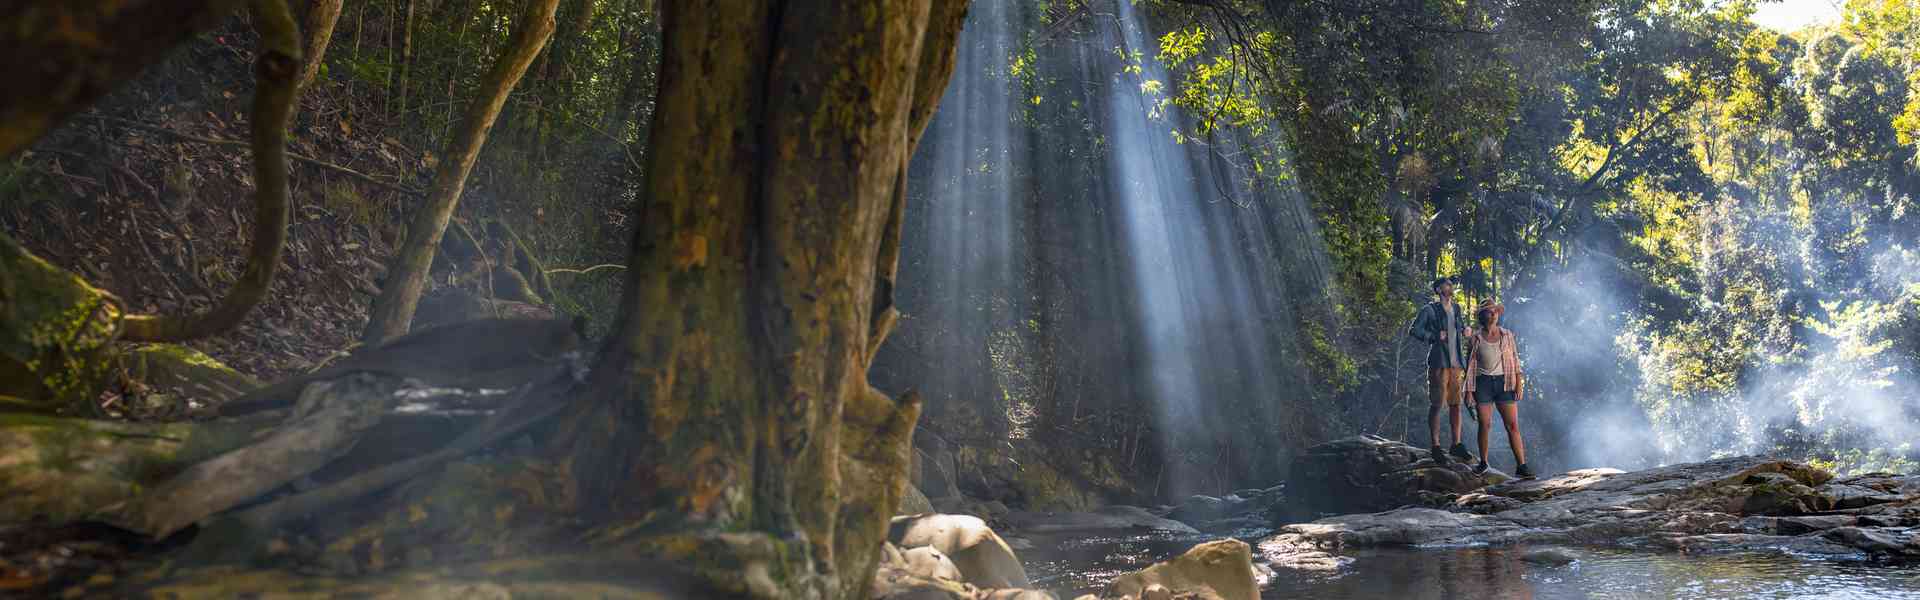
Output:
x=1490 y=306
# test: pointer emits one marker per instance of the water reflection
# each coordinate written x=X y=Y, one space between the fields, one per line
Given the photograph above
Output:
x=1477 y=573
x=1074 y=565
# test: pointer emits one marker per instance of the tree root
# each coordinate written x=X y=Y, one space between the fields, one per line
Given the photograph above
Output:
x=275 y=75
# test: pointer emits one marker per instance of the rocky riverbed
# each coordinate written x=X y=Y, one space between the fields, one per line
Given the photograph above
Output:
x=1725 y=505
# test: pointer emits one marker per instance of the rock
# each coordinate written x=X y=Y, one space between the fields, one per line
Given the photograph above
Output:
x=1198 y=508
x=933 y=468
x=1370 y=473
x=184 y=373
x=448 y=305
x=914 y=503
x=983 y=558
x=1156 y=592
x=1106 y=518
x=56 y=335
x=927 y=561
x=1217 y=570
x=1739 y=503
x=1549 y=556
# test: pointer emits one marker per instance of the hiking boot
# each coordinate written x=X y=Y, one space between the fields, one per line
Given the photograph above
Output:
x=1439 y=456
x=1523 y=472
x=1460 y=451
x=1480 y=469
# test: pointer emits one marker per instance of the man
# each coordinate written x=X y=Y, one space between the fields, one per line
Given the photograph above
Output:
x=1441 y=326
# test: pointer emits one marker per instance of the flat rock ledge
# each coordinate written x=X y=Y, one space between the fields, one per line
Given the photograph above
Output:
x=1739 y=504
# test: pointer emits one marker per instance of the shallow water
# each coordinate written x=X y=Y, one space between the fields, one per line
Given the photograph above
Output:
x=1075 y=565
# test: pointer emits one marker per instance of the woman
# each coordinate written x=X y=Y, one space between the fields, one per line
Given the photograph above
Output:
x=1494 y=381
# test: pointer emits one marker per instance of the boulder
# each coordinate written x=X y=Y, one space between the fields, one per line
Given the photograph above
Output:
x=924 y=573
x=983 y=558
x=183 y=373
x=1370 y=473
x=913 y=502
x=56 y=335
x=1217 y=570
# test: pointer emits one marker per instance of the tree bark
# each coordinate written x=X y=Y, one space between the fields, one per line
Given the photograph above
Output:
x=52 y=63
x=406 y=279
x=273 y=99
x=321 y=17
x=733 y=396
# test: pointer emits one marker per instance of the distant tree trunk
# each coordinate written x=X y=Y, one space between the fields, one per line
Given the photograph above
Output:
x=392 y=312
x=321 y=17
x=729 y=416
x=405 y=68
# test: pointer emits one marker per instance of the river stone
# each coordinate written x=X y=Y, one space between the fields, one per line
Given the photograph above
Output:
x=1549 y=556
x=984 y=559
x=1217 y=570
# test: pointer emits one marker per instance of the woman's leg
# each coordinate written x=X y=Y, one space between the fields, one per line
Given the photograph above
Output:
x=1510 y=416
x=1486 y=423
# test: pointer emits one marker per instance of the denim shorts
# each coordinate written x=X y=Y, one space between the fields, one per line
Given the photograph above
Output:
x=1491 y=389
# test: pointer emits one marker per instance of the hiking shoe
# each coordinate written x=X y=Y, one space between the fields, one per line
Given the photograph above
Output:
x=1481 y=468
x=1439 y=456
x=1523 y=472
x=1460 y=451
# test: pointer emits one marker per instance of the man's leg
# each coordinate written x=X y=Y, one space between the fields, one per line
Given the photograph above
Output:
x=1454 y=389
x=1436 y=398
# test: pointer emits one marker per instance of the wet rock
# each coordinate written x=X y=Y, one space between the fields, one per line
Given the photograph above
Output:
x=1741 y=503
x=1106 y=518
x=1220 y=569
x=1371 y=473
x=927 y=561
x=1204 y=508
x=1549 y=556
x=983 y=558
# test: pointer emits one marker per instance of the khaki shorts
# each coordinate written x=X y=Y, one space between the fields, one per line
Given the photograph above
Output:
x=1444 y=385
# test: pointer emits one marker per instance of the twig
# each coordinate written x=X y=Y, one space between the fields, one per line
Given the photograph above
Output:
x=306 y=159
x=586 y=270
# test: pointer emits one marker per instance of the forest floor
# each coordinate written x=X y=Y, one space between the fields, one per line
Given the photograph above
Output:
x=147 y=195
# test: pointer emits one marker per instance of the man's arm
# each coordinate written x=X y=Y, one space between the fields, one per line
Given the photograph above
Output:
x=1422 y=328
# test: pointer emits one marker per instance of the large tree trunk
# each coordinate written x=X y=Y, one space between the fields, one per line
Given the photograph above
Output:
x=733 y=396
x=393 y=310
x=321 y=17
x=53 y=64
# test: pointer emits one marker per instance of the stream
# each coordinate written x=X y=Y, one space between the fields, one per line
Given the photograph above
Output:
x=1071 y=565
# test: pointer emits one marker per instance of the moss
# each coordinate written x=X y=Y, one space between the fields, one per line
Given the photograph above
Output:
x=55 y=332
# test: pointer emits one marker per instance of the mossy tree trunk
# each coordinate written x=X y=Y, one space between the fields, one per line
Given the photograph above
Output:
x=733 y=396
x=392 y=311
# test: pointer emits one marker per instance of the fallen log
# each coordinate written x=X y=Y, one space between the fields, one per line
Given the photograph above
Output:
x=61 y=469
x=330 y=417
